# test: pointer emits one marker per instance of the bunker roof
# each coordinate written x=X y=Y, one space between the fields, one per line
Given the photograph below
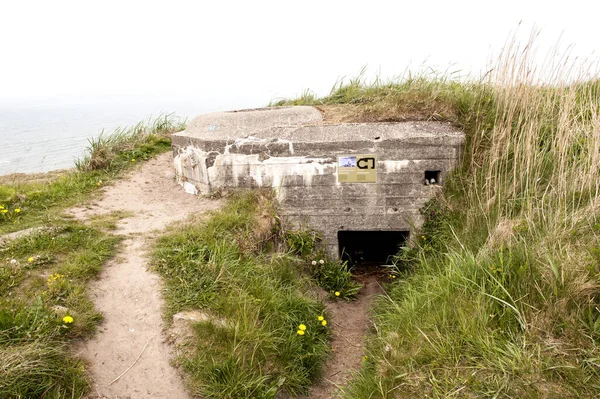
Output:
x=305 y=124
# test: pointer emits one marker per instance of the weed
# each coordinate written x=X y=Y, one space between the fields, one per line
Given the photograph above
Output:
x=335 y=277
x=302 y=242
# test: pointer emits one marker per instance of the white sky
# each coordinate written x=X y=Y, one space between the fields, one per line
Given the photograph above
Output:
x=255 y=51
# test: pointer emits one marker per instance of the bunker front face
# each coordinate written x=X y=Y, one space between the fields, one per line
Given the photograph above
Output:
x=350 y=177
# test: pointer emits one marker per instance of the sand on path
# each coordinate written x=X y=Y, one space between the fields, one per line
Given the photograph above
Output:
x=128 y=294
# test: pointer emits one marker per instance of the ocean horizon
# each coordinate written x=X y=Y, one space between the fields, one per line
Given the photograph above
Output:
x=43 y=135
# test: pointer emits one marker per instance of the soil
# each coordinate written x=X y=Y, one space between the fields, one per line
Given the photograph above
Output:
x=351 y=322
x=128 y=294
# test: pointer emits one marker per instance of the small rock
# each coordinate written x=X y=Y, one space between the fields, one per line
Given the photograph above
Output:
x=196 y=316
x=60 y=310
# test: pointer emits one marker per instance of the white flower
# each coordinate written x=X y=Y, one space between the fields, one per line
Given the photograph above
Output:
x=322 y=262
x=314 y=262
x=13 y=261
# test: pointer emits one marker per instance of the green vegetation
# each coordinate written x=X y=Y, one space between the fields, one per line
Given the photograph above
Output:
x=336 y=278
x=44 y=302
x=500 y=297
x=332 y=275
x=44 y=306
x=262 y=334
x=29 y=201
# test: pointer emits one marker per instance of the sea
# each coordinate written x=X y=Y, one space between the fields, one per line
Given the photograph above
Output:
x=41 y=135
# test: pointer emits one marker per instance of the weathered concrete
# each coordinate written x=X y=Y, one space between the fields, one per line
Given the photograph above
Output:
x=292 y=151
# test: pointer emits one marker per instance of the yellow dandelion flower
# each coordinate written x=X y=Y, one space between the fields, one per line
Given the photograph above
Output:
x=324 y=322
x=132 y=160
x=30 y=259
x=320 y=318
x=302 y=327
x=365 y=358
x=337 y=293
x=17 y=210
x=3 y=210
x=68 y=319
x=1 y=206
x=300 y=332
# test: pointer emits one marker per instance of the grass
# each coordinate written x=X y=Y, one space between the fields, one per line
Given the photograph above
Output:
x=44 y=274
x=40 y=201
x=43 y=281
x=256 y=302
x=500 y=296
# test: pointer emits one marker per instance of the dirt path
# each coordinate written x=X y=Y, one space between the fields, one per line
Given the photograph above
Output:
x=128 y=295
x=351 y=321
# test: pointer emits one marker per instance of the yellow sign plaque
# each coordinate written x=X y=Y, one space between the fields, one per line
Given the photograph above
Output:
x=357 y=168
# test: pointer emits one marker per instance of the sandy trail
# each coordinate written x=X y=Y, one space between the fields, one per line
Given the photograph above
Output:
x=351 y=322
x=128 y=295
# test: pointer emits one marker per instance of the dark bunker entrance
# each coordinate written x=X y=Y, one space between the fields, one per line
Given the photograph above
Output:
x=370 y=248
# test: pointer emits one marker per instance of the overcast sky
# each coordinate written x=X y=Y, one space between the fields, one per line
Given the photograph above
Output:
x=255 y=51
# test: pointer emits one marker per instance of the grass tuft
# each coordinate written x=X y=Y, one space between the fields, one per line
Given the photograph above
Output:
x=124 y=146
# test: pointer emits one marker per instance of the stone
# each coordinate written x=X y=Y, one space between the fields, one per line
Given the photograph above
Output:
x=194 y=316
x=60 y=310
x=292 y=151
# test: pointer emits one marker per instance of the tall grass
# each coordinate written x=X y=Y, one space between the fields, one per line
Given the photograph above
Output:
x=141 y=141
x=501 y=295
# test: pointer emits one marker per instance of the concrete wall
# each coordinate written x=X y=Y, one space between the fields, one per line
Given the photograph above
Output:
x=292 y=151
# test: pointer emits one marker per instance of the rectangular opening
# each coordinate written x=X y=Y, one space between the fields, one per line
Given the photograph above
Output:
x=432 y=177
x=370 y=246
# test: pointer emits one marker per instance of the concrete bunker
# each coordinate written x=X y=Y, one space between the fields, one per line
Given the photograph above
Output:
x=365 y=178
